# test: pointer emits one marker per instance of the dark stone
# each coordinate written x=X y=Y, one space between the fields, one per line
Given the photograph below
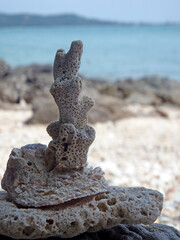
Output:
x=25 y=83
x=158 y=90
x=4 y=69
x=127 y=232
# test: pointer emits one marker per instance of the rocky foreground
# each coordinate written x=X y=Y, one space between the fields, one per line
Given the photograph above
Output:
x=140 y=151
x=137 y=126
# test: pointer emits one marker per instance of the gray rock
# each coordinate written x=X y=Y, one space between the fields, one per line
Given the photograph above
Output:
x=118 y=205
x=161 y=90
x=29 y=183
x=144 y=99
x=127 y=232
x=25 y=83
x=5 y=69
x=44 y=110
x=134 y=232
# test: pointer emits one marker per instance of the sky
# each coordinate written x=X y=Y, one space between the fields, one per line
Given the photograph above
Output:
x=155 y=11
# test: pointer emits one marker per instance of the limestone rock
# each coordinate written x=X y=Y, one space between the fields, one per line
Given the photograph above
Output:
x=67 y=87
x=106 y=210
x=30 y=184
x=71 y=146
x=67 y=65
x=71 y=135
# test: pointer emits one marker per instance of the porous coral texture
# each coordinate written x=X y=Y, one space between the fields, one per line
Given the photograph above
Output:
x=71 y=136
x=71 y=146
x=30 y=184
x=118 y=205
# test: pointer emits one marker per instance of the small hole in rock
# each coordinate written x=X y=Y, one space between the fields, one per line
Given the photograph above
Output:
x=112 y=201
x=65 y=147
x=27 y=231
x=74 y=223
x=102 y=207
x=91 y=205
x=29 y=163
x=144 y=213
x=50 y=221
x=64 y=158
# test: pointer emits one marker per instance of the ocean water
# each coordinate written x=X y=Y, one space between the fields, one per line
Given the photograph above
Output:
x=110 y=52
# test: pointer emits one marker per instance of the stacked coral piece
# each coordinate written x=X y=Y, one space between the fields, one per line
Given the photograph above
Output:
x=50 y=191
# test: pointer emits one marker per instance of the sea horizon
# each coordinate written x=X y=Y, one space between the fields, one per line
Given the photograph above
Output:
x=110 y=52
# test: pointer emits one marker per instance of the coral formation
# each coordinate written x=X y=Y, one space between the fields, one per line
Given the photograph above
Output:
x=50 y=190
x=37 y=175
x=71 y=136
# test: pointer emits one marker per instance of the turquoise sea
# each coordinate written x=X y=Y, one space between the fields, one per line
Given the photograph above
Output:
x=110 y=52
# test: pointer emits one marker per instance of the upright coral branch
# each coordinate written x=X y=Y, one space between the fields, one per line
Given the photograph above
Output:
x=71 y=135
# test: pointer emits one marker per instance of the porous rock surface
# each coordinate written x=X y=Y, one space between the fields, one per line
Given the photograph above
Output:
x=106 y=210
x=71 y=136
x=30 y=184
x=127 y=232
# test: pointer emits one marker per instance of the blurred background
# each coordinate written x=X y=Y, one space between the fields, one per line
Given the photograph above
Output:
x=130 y=66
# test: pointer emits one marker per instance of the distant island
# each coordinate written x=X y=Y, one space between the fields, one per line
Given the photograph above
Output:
x=30 y=20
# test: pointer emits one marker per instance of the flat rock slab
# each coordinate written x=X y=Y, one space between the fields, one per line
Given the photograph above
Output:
x=106 y=210
x=29 y=184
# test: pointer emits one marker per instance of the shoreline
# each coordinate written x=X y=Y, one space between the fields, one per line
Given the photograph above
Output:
x=91 y=77
x=103 y=78
x=151 y=96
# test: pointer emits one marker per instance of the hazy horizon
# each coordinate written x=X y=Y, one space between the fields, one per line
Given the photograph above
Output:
x=91 y=18
x=154 y=11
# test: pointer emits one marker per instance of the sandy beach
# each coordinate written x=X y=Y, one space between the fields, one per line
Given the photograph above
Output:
x=141 y=151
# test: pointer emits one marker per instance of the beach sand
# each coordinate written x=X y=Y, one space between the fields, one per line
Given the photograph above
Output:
x=143 y=151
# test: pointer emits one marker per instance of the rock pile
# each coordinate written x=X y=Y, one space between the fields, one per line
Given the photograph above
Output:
x=51 y=192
